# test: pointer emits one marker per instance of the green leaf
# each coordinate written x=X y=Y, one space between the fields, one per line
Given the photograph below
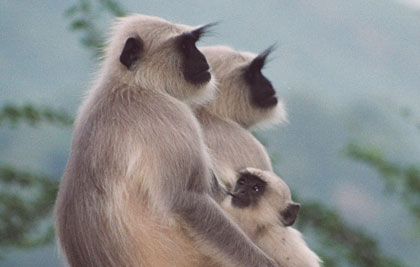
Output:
x=79 y=24
x=33 y=115
x=348 y=243
x=26 y=203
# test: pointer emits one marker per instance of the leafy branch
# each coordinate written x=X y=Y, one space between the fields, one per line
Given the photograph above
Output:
x=26 y=199
x=33 y=115
x=348 y=243
x=23 y=220
x=84 y=16
x=403 y=180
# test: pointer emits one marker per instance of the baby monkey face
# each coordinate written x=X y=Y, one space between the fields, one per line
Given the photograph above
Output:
x=249 y=189
x=265 y=193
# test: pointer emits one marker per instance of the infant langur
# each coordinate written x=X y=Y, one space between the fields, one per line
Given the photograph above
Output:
x=261 y=204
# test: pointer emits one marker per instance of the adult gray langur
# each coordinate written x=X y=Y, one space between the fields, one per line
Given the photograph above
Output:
x=245 y=99
x=135 y=191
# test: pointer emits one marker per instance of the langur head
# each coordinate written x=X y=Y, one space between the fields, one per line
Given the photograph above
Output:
x=265 y=195
x=152 y=54
x=244 y=94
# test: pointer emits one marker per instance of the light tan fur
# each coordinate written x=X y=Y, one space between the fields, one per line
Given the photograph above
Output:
x=232 y=100
x=138 y=165
x=263 y=225
x=231 y=147
x=226 y=121
x=227 y=117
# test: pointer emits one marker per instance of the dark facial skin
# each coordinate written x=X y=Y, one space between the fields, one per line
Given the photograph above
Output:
x=195 y=67
x=261 y=89
x=248 y=191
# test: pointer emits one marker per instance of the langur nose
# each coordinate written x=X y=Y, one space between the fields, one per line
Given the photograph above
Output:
x=241 y=192
x=237 y=193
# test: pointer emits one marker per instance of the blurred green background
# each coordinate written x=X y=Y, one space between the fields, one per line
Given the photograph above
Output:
x=348 y=71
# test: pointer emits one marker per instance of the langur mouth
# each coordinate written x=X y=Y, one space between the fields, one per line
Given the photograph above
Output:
x=203 y=76
x=199 y=77
x=271 y=101
x=231 y=194
x=267 y=102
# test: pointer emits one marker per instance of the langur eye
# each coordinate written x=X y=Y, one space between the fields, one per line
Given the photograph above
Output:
x=241 y=181
x=256 y=188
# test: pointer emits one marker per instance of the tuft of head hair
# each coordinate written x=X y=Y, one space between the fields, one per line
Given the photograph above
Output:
x=150 y=53
x=244 y=94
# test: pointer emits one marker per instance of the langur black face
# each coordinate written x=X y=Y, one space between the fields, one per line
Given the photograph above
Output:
x=261 y=89
x=195 y=67
x=249 y=189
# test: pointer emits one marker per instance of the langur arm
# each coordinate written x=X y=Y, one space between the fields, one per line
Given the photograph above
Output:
x=207 y=220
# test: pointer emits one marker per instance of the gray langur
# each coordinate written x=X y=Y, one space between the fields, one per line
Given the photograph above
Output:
x=261 y=204
x=136 y=188
x=245 y=98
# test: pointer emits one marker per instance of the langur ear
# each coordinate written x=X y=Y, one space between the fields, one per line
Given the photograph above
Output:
x=132 y=51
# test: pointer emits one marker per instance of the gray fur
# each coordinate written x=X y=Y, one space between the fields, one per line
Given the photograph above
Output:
x=231 y=147
x=135 y=192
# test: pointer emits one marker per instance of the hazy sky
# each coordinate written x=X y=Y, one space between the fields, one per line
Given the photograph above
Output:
x=411 y=3
x=345 y=69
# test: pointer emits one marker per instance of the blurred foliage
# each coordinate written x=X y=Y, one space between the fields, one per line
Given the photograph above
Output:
x=27 y=200
x=399 y=179
x=84 y=16
x=33 y=115
x=347 y=243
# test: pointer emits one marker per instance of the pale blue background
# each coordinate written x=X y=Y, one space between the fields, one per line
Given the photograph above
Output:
x=345 y=69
